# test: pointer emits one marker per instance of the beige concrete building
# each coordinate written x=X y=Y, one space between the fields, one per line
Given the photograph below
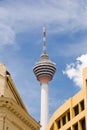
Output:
x=13 y=114
x=72 y=115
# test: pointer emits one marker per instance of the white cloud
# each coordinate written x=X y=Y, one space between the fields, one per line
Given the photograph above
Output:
x=74 y=70
x=7 y=35
x=20 y=16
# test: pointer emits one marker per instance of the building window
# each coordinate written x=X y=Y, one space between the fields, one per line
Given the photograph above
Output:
x=82 y=105
x=83 y=124
x=76 y=110
x=52 y=128
x=59 y=124
x=68 y=116
x=64 y=120
x=69 y=129
x=75 y=127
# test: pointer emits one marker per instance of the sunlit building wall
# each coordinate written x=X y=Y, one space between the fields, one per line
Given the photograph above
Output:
x=72 y=115
x=13 y=113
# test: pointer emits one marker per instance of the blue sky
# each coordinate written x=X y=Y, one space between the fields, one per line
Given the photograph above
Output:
x=21 y=23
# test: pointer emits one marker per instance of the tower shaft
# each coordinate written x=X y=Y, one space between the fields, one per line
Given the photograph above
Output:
x=44 y=105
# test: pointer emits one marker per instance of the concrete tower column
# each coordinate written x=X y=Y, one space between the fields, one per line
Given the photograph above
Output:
x=44 y=105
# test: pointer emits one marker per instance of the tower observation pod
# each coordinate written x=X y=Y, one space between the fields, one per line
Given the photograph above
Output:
x=44 y=71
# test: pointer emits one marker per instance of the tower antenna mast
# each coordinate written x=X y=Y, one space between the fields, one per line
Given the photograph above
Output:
x=44 y=39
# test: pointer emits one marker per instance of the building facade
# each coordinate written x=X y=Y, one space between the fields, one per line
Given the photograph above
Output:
x=13 y=114
x=72 y=115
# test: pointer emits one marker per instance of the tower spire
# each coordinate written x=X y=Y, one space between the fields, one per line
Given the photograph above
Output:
x=44 y=39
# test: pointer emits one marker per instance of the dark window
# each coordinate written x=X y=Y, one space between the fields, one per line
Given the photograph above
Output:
x=69 y=129
x=82 y=105
x=64 y=120
x=52 y=127
x=76 y=110
x=75 y=126
x=59 y=125
x=68 y=116
x=83 y=124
